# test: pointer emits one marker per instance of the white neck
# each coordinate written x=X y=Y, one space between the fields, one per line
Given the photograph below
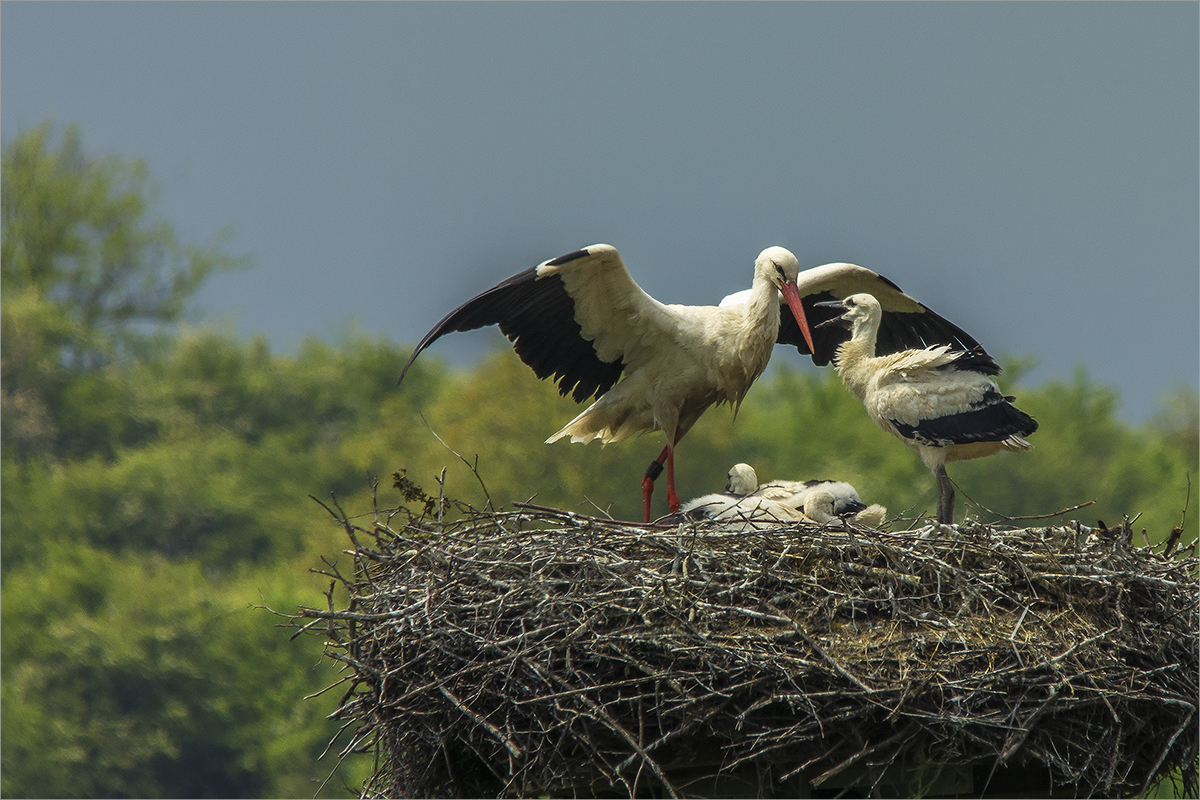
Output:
x=763 y=304
x=854 y=354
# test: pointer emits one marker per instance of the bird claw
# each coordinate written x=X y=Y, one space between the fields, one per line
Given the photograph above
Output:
x=673 y=500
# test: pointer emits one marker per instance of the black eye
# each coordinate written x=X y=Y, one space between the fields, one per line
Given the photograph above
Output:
x=779 y=269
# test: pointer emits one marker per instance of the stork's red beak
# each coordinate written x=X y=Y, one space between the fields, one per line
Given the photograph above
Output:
x=791 y=293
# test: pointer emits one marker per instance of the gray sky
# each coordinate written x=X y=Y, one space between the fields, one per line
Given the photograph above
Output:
x=1028 y=170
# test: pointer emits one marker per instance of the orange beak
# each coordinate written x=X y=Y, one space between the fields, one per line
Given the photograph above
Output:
x=791 y=293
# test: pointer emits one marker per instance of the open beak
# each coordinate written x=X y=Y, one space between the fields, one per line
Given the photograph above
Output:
x=838 y=320
x=791 y=293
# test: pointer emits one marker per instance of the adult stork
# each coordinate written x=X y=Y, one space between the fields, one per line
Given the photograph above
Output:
x=582 y=319
x=938 y=401
x=905 y=323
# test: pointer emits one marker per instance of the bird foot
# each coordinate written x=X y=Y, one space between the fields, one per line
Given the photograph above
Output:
x=673 y=500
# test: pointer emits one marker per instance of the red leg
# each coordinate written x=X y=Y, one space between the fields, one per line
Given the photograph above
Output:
x=653 y=471
x=672 y=497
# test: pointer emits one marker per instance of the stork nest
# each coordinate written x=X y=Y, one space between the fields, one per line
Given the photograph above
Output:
x=541 y=652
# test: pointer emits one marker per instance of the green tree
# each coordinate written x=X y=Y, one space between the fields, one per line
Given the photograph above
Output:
x=153 y=491
x=138 y=677
x=794 y=424
x=88 y=277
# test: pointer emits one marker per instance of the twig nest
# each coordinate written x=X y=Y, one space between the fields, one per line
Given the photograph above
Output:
x=539 y=652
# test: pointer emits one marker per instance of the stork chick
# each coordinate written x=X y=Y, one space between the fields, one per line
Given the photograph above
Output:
x=937 y=401
x=820 y=500
x=755 y=512
x=739 y=504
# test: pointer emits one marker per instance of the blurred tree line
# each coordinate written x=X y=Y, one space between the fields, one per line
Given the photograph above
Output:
x=155 y=480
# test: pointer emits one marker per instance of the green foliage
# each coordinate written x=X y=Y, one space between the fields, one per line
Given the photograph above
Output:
x=794 y=424
x=141 y=570
x=88 y=280
x=153 y=492
x=1083 y=452
x=135 y=676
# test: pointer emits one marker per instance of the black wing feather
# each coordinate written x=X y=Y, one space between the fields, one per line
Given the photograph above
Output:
x=538 y=317
x=992 y=419
x=898 y=331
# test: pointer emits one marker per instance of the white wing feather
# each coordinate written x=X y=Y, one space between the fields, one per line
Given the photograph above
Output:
x=612 y=310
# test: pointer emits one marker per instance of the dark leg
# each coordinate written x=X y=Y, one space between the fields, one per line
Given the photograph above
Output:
x=945 y=510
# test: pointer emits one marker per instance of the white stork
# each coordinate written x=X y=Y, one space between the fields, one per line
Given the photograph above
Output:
x=937 y=400
x=906 y=323
x=823 y=505
x=583 y=320
x=755 y=511
x=821 y=500
x=738 y=503
x=824 y=501
x=779 y=502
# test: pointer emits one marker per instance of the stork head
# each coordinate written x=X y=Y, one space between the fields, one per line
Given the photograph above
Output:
x=859 y=312
x=780 y=267
x=742 y=480
x=819 y=505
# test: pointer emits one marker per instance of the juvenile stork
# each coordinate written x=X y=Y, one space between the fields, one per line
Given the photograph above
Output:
x=582 y=319
x=821 y=500
x=937 y=401
x=756 y=512
x=905 y=324
x=738 y=503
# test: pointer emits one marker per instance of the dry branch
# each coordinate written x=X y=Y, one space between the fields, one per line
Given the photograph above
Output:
x=542 y=652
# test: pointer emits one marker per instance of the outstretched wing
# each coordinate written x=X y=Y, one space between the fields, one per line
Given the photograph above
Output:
x=579 y=318
x=906 y=325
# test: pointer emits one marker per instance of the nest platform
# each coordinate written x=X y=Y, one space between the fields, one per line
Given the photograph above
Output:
x=537 y=652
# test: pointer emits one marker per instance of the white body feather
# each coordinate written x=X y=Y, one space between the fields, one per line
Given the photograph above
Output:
x=679 y=360
x=933 y=400
x=757 y=511
x=814 y=501
x=910 y=387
